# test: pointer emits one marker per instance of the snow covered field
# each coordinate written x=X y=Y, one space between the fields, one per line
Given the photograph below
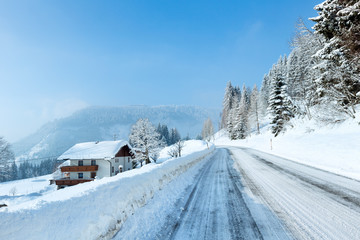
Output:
x=96 y=209
x=332 y=148
x=20 y=191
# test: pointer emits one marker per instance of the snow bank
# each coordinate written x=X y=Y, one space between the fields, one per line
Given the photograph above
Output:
x=96 y=209
x=189 y=147
x=333 y=148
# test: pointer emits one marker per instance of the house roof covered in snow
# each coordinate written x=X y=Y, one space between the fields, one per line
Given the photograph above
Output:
x=94 y=150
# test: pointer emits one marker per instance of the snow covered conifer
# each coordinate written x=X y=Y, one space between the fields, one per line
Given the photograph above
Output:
x=264 y=95
x=227 y=104
x=241 y=116
x=143 y=136
x=254 y=109
x=338 y=22
x=14 y=172
x=6 y=157
x=174 y=136
x=301 y=73
x=231 y=123
x=279 y=104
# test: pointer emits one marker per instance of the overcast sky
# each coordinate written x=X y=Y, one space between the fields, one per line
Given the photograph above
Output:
x=60 y=56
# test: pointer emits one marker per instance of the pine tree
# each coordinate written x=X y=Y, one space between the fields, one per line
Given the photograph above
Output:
x=174 y=136
x=231 y=123
x=279 y=104
x=264 y=95
x=163 y=132
x=6 y=157
x=13 y=172
x=338 y=22
x=254 y=109
x=301 y=74
x=241 y=125
x=227 y=104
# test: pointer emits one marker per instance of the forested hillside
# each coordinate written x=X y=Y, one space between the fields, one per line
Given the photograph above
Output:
x=320 y=79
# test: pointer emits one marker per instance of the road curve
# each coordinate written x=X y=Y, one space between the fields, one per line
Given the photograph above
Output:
x=311 y=203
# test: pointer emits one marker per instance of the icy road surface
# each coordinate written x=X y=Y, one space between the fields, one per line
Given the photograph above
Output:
x=246 y=194
x=215 y=206
x=312 y=204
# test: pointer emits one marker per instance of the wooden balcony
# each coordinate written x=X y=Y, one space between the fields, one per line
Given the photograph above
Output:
x=79 y=168
x=71 y=182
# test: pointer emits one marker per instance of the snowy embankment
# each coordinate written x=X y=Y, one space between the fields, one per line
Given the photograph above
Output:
x=333 y=148
x=96 y=209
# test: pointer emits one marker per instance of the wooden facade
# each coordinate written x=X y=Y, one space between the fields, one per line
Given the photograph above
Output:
x=70 y=182
x=125 y=152
x=80 y=168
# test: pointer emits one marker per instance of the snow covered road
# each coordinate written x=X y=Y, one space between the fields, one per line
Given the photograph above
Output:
x=312 y=204
x=218 y=209
x=215 y=206
x=241 y=193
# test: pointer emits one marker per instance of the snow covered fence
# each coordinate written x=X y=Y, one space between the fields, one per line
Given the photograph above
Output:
x=94 y=210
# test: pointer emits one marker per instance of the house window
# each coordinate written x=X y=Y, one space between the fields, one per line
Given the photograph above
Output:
x=116 y=160
x=80 y=175
x=112 y=169
x=93 y=175
x=81 y=163
x=93 y=162
x=128 y=159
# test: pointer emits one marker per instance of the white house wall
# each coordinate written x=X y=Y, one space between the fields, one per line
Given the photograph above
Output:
x=74 y=175
x=125 y=162
x=104 y=168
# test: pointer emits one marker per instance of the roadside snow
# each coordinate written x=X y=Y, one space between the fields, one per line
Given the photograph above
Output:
x=331 y=148
x=189 y=147
x=95 y=209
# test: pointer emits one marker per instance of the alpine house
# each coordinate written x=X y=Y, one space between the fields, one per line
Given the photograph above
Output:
x=90 y=160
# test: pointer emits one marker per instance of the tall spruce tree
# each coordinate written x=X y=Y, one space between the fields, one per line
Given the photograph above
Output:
x=241 y=117
x=338 y=22
x=227 y=104
x=279 y=104
x=6 y=158
x=254 y=110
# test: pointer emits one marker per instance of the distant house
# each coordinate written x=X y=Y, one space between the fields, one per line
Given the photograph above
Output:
x=88 y=160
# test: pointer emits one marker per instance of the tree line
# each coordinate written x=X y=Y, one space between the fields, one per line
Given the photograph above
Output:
x=10 y=171
x=319 y=79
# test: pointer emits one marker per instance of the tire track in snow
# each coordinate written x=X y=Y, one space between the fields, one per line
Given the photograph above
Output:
x=216 y=208
x=313 y=204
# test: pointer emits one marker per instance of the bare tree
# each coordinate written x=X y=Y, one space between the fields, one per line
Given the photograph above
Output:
x=207 y=131
x=176 y=149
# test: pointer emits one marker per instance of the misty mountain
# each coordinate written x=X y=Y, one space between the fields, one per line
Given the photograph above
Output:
x=105 y=123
